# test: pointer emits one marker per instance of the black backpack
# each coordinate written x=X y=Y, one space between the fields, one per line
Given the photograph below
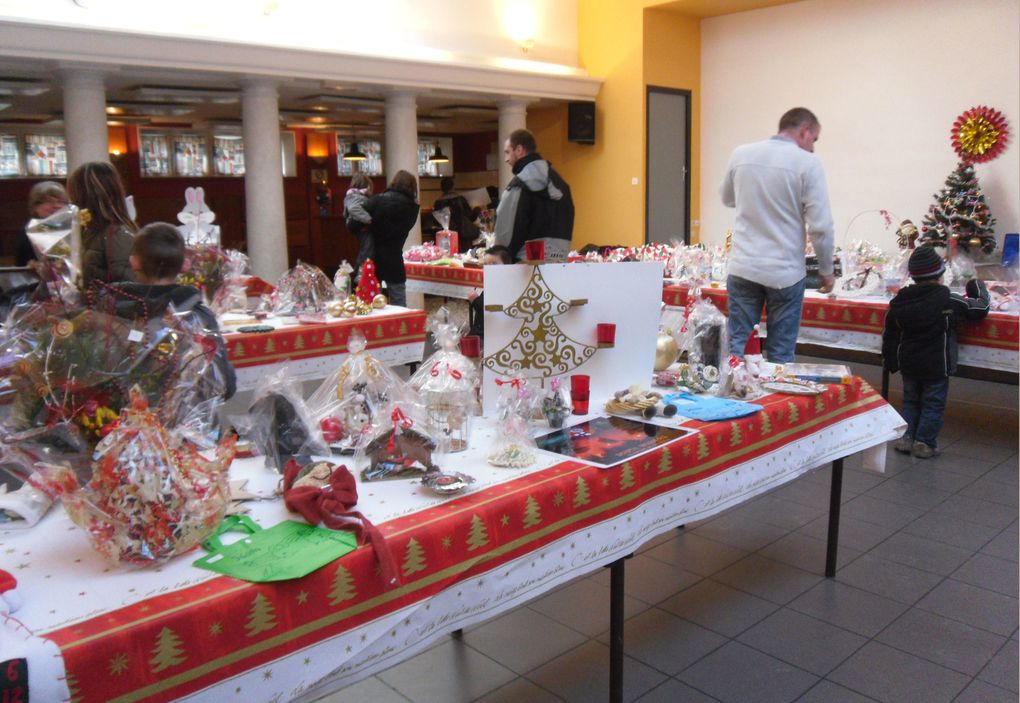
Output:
x=553 y=218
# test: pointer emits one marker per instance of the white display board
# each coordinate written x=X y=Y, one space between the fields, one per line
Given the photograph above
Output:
x=628 y=295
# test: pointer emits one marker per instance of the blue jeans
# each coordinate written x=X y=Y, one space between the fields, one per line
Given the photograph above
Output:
x=924 y=407
x=746 y=300
x=396 y=294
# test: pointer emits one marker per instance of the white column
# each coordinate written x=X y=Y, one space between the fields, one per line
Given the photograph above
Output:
x=401 y=153
x=85 y=117
x=265 y=216
x=512 y=115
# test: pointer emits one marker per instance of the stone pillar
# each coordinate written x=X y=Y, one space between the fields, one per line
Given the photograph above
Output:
x=266 y=219
x=400 y=152
x=512 y=115
x=85 y=117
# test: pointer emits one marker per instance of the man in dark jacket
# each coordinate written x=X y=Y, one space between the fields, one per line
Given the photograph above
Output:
x=536 y=204
x=920 y=341
x=394 y=212
x=462 y=217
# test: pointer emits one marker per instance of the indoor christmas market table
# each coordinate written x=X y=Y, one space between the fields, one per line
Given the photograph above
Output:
x=312 y=351
x=447 y=281
x=178 y=632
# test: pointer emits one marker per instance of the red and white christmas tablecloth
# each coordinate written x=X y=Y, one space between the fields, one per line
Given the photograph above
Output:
x=447 y=281
x=857 y=324
x=181 y=633
x=394 y=335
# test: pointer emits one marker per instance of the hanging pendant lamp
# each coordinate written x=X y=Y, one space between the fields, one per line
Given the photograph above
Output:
x=353 y=153
x=438 y=157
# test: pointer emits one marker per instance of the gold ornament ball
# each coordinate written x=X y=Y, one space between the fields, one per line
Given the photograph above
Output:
x=955 y=235
x=974 y=242
x=379 y=302
x=666 y=351
x=350 y=309
x=335 y=308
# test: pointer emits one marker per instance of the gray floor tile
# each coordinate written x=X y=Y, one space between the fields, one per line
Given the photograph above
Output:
x=828 y=692
x=921 y=553
x=674 y=692
x=938 y=478
x=848 y=607
x=803 y=641
x=1002 y=669
x=736 y=673
x=449 y=673
x=906 y=493
x=886 y=578
x=972 y=605
x=650 y=580
x=718 y=607
x=807 y=553
x=582 y=675
x=657 y=540
x=1006 y=545
x=881 y=512
x=371 y=689
x=666 y=642
x=980 y=692
x=958 y=533
x=738 y=530
x=987 y=488
x=855 y=480
x=961 y=464
x=583 y=606
x=810 y=493
x=514 y=692
x=981 y=512
x=892 y=676
x=949 y=643
x=767 y=578
x=853 y=533
x=1006 y=472
x=696 y=554
x=978 y=450
x=991 y=573
x=523 y=639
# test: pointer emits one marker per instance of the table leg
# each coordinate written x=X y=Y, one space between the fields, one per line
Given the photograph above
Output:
x=616 y=579
x=835 y=496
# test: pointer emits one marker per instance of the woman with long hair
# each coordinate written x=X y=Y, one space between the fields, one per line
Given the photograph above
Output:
x=109 y=233
x=394 y=212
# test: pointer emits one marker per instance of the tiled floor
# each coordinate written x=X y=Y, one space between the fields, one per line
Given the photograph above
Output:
x=735 y=609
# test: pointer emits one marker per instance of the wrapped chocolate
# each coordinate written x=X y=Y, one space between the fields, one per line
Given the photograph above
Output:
x=555 y=403
x=342 y=279
x=446 y=383
x=232 y=294
x=703 y=337
x=281 y=425
x=151 y=495
x=304 y=288
x=514 y=446
x=399 y=447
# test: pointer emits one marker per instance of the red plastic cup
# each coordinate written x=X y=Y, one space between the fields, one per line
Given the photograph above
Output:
x=534 y=251
x=471 y=346
x=580 y=385
x=605 y=334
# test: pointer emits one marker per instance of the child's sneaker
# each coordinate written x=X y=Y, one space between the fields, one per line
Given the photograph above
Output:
x=923 y=451
x=904 y=444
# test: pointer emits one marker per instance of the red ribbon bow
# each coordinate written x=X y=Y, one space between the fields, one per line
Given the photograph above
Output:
x=452 y=371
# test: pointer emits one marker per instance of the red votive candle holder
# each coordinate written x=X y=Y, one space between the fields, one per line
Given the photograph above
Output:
x=605 y=334
x=471 y=346
x=534 y=251
x=580 y=385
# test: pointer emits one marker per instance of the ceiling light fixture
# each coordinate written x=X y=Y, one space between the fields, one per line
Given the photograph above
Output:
x=353 y=153
x=438 y=157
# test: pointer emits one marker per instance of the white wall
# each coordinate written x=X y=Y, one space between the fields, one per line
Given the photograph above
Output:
x=886 y=78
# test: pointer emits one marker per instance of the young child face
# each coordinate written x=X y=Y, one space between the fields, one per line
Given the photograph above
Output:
x=490 y=259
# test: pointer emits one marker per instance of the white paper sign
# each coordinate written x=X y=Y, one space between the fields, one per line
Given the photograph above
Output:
x=555 y=334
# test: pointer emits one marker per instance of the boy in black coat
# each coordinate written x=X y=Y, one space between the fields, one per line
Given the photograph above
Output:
x=920 y=341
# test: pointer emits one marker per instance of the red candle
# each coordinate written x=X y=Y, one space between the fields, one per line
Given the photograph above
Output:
x=471 y=346
x=605 y=334
x=579 y=390
x=534 y=251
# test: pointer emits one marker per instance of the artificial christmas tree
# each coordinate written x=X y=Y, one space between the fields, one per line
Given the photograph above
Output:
x=960 y=214
x=368 y=284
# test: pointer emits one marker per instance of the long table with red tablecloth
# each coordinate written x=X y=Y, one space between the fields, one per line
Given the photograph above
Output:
x=182 y=633
x=857 y=324
x=447 y=281
x=394 y=336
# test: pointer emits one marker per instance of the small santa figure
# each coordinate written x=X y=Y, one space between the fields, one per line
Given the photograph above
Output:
x=752 y=352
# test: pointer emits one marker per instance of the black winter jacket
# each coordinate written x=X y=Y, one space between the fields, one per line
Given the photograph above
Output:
x=920 y=328
x=393 y=215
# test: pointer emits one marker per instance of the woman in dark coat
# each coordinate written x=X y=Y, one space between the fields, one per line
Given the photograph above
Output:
x=107 y=238
x=394 y=212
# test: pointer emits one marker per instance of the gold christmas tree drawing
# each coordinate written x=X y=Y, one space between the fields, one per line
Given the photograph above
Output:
x=262 y=616
x=478 y=537
x=414 y=558
x=532 y=513
x=627 y=477
x=666 y=462
x=703 y=450
x=167 y=652
x=582 y=496
x=540 y=349
x=343 y=587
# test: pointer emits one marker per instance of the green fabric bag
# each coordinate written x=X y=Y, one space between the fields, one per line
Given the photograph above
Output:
x=288 y=550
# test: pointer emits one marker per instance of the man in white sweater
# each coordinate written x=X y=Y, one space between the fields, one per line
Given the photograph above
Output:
x=778 y=189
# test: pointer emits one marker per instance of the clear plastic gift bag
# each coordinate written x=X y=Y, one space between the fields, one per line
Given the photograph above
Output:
x=343 y=280
x=56 y=241
x=398 y=445
x=232 y=295
x=737 y=381
x=151 y=495
x=303 y=289
x=703 y=338
x=555 y=403
x=281 y=426
x=446 y=383
x=514 y=446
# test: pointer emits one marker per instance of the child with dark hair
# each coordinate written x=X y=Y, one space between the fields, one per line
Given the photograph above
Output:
x=157 y=255
x=497 y=255
x=919 y=340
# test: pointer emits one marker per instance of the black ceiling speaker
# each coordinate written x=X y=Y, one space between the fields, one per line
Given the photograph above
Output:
x=581 y=122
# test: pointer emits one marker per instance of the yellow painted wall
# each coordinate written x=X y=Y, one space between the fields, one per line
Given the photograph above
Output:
x=628 y=47
x=672 y=59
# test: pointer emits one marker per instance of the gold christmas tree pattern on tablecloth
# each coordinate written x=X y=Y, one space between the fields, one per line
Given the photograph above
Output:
x=540 y=349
